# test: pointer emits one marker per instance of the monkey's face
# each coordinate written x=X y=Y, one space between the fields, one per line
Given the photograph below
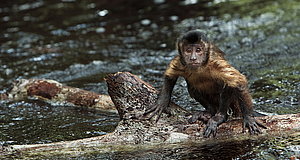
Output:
x=194 y=55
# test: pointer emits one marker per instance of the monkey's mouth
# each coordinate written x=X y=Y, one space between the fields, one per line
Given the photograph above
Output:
x=194 y=64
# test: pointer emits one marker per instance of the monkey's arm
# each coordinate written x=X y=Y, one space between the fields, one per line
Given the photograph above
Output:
x=170 y=77
x=245 y=103
x=163 y=100
x=234 y=79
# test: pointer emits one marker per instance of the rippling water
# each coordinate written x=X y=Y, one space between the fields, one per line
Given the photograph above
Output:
x=78 y=42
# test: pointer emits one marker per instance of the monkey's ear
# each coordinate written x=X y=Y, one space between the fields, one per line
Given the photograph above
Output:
x=179 y=46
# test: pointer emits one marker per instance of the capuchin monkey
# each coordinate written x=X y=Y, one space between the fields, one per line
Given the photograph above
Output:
x=211 y=80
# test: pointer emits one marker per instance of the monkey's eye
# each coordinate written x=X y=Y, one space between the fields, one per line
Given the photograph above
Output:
x=189 y=50
x=198 y=50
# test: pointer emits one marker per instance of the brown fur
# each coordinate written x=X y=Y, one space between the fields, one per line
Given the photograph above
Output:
x=212 y=78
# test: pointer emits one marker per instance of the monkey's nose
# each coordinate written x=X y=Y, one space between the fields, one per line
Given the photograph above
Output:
x=193 y=58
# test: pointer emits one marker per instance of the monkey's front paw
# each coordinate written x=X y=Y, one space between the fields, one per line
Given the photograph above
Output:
x=152 y=111
x=252 y=125
x=211 y=128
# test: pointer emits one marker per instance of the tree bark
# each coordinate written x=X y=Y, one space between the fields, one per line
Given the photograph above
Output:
x=132 y=96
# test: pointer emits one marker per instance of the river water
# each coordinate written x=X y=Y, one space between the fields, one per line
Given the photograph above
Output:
x=78 y=42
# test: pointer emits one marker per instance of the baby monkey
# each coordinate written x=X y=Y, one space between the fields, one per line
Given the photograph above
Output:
x=211 y=80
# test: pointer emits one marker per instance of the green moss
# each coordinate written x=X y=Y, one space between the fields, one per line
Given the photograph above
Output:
x=275 y=83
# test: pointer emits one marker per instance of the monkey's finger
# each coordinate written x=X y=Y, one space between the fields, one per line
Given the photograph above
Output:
x=244 y=127
x=255 y=129
x=158 y=115
x=153 y=113
x=150 y=112
x=207 y=132
x=151 y=109
x=251 y=130
x=148 y=115
x=261 y=125
x=214 y=133
x=144 y=116
x=258 y=131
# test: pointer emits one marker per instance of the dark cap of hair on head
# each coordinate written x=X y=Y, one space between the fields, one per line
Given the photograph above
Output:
x=193 y=36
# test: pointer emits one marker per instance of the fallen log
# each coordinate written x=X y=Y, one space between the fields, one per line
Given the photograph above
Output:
x=56 y=93
x=131 y=96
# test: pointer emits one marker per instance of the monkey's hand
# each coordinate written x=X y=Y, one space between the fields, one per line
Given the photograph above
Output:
x=212 y=124
x=253 y=125
x=156 y=109
x=211 y=128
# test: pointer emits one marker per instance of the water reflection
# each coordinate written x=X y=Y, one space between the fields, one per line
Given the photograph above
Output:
x=36 y=122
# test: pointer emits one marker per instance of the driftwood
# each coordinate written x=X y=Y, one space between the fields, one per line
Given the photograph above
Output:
x=57 y=94
x=131 y=96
